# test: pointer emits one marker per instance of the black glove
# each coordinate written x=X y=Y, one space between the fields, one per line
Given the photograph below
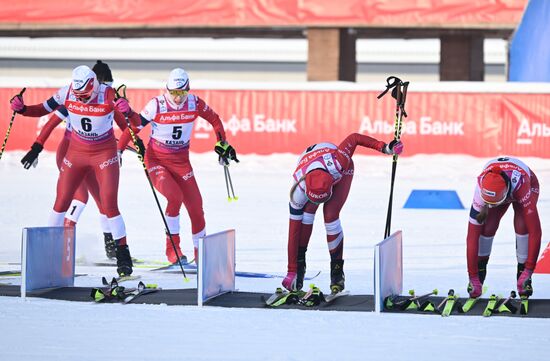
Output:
x=225 y=152
x=395 y=147
x=140 y=147
x=31 y=158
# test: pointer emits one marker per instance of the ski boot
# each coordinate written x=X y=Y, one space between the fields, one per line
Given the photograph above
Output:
x=174 y=255
x=337 y=278
x=301 y=271
x=110 y=246
x=482 y=268
x=123 y=261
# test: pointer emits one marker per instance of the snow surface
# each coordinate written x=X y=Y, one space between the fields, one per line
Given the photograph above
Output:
x=434 y=257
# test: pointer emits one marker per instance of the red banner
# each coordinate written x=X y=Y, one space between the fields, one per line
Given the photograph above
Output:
x=278 y=121
x=232 y=13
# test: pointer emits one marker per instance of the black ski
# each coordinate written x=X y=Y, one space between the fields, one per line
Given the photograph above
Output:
x=413 y=302
x=282 y=297
x=142 y=290
x=110 y=292
x=312 y=297
x=507 y=305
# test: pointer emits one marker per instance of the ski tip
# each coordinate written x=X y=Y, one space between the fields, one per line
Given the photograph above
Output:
x=435 y=291
x=411 y=292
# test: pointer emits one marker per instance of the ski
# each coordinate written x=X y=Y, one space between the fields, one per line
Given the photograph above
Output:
x=334 y=295
x=469 y=304
x=282 y=297
x=524 y=308
x=448 y=303
x=193 y=270
x=507 y=306
x=410 y=303
x=119 y=279
x=491 y=305
x=10 y=273
x=176 y=266
x=138 y=263
x=142 y=290
x=111 y=291
x=312 y=297
x=16 y=273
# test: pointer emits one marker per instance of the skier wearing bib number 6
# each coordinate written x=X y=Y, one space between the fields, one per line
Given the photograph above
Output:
x=89 y=185
x=323 y=175
x=503 y=182
x=91 y=109
x=172 y=116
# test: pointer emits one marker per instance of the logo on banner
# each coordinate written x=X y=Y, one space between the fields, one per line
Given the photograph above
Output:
x=425 y=126
x=259 y=123
x=527 y=131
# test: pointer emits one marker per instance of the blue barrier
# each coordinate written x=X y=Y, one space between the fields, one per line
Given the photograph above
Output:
x=433 y=199
x=529 y=55
x=48 y=255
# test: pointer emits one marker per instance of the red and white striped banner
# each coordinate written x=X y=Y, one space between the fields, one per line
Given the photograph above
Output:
x=287 y=121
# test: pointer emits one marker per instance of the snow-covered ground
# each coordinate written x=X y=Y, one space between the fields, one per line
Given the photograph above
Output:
x=434 y=257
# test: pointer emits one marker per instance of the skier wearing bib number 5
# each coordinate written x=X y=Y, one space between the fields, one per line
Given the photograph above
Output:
x=502 y=182
x=172 y=117
x=323 y=175
x=90 y=110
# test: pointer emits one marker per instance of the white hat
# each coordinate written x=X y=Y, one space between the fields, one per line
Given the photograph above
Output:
x=84 y=81
x=178 y=79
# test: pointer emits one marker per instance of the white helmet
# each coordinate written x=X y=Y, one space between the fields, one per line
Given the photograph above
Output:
x=178 y=80
x=84 y=82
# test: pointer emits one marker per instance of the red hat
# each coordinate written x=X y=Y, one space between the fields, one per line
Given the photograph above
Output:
x=318 y=186
x=493 y=188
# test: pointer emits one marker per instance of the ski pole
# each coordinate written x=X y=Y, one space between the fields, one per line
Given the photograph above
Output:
x=229 y=184
x=10 y=125
x=140 y=157
x=399 y=92
x=226 y=183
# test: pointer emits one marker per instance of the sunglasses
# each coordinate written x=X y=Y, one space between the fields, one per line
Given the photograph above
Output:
x=178 y=92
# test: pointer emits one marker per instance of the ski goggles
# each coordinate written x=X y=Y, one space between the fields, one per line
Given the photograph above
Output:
x=178 y=92
x=85 y=92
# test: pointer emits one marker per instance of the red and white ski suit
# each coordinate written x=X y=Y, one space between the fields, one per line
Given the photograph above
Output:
x=167 y=156
x=90 y=152
x=336 y=160
x=89 y=184
x=523 y=196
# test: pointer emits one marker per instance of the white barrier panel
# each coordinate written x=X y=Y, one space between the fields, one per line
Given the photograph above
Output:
x=388 y=269
x=47 y=258
x=216 y=268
